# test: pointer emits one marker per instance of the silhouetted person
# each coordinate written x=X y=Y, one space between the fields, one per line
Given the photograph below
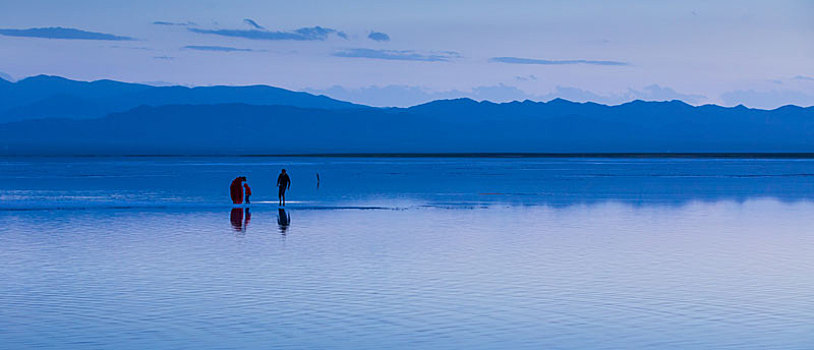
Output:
x=248 y=192
x=283 y=183
x=317 y=180
x=283 y=220
x=236 y=189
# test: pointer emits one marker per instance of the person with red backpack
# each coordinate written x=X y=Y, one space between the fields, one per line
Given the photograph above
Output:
x=236 y=190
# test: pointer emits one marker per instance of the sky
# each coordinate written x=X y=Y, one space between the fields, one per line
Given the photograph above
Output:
x=399 y=53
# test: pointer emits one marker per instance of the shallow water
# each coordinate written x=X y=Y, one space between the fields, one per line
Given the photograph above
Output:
x=407 y=253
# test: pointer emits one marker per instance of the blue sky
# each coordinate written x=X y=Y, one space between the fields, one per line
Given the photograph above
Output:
x=757 y=53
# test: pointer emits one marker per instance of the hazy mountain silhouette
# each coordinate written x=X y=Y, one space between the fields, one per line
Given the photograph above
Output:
x=450 y=126
x=45 y=96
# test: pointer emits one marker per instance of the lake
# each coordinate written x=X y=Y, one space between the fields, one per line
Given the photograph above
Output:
x=407 y=253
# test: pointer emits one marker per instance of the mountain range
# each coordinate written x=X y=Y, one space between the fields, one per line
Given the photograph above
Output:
x=46 y=96
x=56 y=116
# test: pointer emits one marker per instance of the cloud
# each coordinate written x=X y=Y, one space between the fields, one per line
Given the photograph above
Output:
x=302 y=34
x=405 y=96
x=648 y=93
x=5 y=76
x=499 y=93
x=397 y=55
x=141 y=48
x=378 y=96
x=216 y=48
x=518 y=60
x=802 y=77
x=660 y=93
x=168 y=58
x=529 y=77
x=378 y=36
x=580 y=95
x=768 y=99
x=182 y=24
x=252 y=23
x=159 y=83
x=61 y=33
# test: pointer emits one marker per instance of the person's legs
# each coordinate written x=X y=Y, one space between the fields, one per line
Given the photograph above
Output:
x=280 y=193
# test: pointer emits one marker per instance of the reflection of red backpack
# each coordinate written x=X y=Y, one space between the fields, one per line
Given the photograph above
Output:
x=248 y=190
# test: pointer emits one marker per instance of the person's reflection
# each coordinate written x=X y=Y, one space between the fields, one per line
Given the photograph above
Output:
x=283 y=220
x=239 y=221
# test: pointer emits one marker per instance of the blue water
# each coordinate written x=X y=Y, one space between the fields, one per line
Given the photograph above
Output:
x=429 y=253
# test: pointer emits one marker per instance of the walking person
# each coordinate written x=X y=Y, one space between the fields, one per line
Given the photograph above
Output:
x=283 y=183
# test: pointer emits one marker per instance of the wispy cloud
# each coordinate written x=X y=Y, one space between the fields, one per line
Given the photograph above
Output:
x=803 y=77
x=648 y=93
x=302 y=34
x=656 y=92
x=5 y=76
x=216 y=48
x=402 y=95
x=397 y=55
x=61 y=33
x=182 y=24
x=405 y=96
x=252 y=23
x=159 y=83
x=378 y=36
x=520 y=60
x=141 y=48
x=167 y=58
x=768 y=99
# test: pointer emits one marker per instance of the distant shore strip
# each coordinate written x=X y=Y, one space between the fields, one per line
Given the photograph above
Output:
x=768 y=155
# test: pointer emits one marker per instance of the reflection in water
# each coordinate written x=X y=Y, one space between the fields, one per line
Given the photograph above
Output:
x=602 y=254
x=283 y=220
x=706 y=275
x=239 y=220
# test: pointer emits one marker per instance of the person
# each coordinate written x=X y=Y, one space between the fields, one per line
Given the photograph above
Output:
x=236 y=190
x=284 y=183
x=248 y=192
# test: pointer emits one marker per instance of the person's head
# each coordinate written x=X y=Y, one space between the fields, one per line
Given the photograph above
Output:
x=283 y=171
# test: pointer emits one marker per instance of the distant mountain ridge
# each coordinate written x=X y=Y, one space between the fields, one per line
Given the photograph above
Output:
x=46 y=96
x=447 y=126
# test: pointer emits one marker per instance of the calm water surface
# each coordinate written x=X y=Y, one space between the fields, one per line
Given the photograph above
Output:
x=138 y=253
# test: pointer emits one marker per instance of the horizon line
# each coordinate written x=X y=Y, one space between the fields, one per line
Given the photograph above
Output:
x=610 y=155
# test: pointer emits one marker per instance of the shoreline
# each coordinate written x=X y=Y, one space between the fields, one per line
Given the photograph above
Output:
x=632 y=155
